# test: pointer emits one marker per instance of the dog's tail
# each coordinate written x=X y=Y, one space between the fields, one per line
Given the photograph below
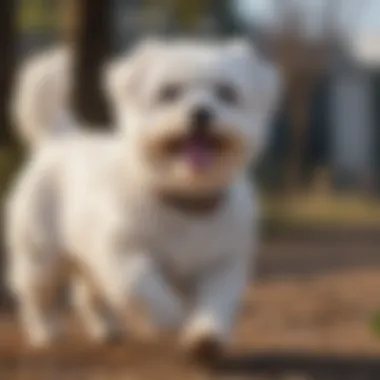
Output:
x=40 y=106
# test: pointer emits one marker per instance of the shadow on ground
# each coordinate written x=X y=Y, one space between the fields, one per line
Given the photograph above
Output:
x=306 y=318
x=164 y=363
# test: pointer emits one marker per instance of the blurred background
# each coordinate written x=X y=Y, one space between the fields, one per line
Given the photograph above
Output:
x=319 y=266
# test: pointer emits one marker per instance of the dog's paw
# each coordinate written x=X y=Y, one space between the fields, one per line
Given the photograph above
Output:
x=205 y=349
x=103 y=335
x=202 y=343
x=114 y=338
x=39 y=342
x=43 y=338
x=141 y=328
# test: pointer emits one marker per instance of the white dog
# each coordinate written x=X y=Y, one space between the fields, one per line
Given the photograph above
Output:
x=164 y=198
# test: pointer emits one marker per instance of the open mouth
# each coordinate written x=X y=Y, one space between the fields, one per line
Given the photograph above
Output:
x=199 y=150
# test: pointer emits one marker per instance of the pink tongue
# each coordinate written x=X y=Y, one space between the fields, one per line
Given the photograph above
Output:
x=198 y=155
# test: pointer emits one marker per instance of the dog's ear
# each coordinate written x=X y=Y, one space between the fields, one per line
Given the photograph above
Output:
x=266 y=90
x=267 y=77
x=122 y=76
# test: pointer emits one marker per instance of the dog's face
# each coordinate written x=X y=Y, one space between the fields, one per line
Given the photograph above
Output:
x=194 y=114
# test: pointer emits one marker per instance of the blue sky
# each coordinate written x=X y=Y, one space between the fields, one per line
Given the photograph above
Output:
x=369 y=20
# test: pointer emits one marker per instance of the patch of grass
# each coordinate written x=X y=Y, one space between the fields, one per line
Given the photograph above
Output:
x=324 y=211
x=375 y=324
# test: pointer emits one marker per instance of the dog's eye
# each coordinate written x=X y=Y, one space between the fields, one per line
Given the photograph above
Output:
x=169 y=93
x=227 y=93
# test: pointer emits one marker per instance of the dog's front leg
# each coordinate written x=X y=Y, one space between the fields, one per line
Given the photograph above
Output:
x=217 y=300
x=147 y=286
x=137 y=292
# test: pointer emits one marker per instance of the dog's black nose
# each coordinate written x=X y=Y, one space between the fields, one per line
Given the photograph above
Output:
x=201 y=119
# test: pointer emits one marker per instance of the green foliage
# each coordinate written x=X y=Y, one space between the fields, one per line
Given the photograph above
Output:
x=38 y=15
x=10 y=158
x=375 y=324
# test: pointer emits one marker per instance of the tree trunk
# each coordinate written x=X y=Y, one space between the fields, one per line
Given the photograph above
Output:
x=7 y=43
x=299 y=102
x=92 y=44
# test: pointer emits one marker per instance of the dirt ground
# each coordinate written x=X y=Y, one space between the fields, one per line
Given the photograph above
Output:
x=311 y=304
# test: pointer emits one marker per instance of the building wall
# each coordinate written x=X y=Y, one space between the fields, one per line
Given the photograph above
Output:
x=376 y=129
x=352 y=126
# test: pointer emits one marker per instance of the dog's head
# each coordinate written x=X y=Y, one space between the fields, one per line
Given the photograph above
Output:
x=194 y=114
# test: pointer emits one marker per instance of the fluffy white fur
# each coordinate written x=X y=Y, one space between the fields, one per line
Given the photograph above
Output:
x=40 y=108
x=88 y=207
